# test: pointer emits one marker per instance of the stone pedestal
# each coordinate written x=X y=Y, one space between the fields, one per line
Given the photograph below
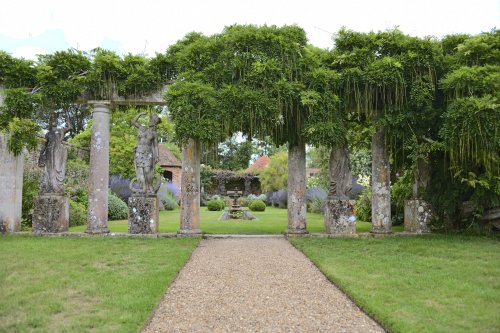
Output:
x=143 y=215
x=50 y=213
x=339 y=216
x=11 y=187
x=297 y=189
x=190 y=188
x=97 y=216
x=418 y=214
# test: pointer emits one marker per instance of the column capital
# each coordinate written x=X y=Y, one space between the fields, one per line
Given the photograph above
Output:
x=103 y=105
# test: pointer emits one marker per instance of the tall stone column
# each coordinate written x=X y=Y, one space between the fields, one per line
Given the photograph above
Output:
x=381 y=175
x=190 y=188
x=11 y=187
x=11 y=184
x=297 y=189
x=97 y=217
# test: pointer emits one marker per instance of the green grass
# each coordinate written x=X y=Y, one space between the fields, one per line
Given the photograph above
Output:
x=100 y=284
x=435 y=283
x=271 y=221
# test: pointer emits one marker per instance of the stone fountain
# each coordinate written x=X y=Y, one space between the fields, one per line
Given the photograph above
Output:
x=235 y=212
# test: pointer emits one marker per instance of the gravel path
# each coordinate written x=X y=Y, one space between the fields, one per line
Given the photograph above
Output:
x=255 y=285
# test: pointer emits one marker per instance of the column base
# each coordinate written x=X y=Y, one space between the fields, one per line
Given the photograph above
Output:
x=381 y=231
x=143 y=215
x=97 y=231
x=297 y=232
x=189 y=232
x=50 y=213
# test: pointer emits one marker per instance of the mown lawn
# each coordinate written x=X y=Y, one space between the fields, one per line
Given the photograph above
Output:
x=52 y=284
x=271 y=221
x=433 y=283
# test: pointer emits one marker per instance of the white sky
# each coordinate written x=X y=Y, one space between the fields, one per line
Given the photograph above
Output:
x=28 y=27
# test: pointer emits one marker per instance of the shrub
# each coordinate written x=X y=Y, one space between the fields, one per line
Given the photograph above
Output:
x=364 y=205
x=279 y=199
x=120 y=187
x=215 y=205
x=167 y=196
x=262 y=197
x=401 y=190
x=117 y=208
x=77 y=214
x=316 y=199
x=257 y=206
x=30 y=191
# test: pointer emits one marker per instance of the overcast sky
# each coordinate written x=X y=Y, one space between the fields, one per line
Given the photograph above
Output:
x=30 y=27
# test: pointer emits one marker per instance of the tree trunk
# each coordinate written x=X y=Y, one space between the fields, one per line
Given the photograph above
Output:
x=297 y=189
x=190 y=188
x=381 y=189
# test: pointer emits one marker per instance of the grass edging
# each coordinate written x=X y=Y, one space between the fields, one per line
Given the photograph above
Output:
x=150 y=318
x=341 y=288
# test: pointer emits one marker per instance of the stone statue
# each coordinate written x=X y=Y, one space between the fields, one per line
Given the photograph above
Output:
x=53 y=158
x=340 y=173
x=146 y=155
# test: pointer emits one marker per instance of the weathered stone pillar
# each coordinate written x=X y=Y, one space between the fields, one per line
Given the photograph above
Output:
x=339 y=212
x=418 y=213
x=190 y=188
x=11 y=187
x=381 y=175
x=97 y=218
x=297 y=189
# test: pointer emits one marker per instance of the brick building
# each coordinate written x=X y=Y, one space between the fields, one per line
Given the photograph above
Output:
x=172 y=167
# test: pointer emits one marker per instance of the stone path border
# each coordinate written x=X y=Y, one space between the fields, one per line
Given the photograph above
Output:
x=254 y=284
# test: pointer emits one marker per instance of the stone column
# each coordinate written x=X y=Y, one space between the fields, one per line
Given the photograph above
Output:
x=190 y=188
x=381 y=190
x=11 y=187
x=297 y=189
x=97 y=217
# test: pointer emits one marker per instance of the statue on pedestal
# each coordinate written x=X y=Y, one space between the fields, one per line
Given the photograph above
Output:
x=53 y=158
x=146 y=155
x=51 y=207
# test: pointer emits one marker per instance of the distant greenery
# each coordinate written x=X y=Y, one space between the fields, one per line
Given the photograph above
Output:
x=275 y=176
x=434 y=283
x=85 y=284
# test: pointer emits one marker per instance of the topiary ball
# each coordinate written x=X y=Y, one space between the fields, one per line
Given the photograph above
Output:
x=257 y=206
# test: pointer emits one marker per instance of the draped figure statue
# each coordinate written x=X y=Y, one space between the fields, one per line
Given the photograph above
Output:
x=146 y=154
x=53 y=158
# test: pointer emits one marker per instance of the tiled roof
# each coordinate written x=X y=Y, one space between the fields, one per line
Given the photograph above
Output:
x=260 y=164
x=166 y=157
